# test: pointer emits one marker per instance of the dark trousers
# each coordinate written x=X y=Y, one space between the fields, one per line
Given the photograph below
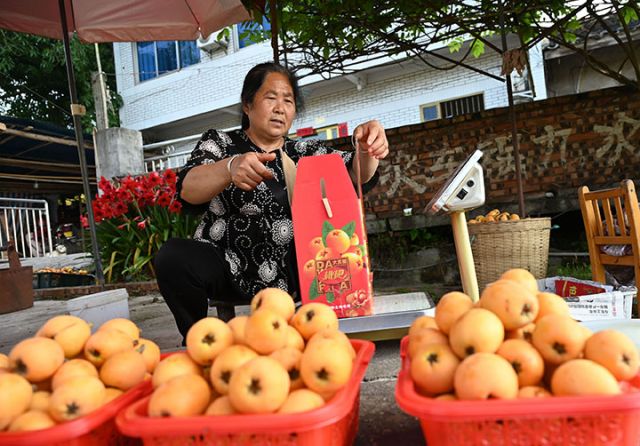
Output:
x=188 y=274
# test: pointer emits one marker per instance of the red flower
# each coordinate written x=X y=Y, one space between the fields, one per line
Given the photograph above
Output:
x=120 y=208
x=170 y=176
x=142 y=224
x=84 y=221
x=122 y=194
x=146 y=199
x=108 y=195
x=164 y=199
x=105 y=185
x=175 y=207
x=107 y=212
x=130 y=183
x=154 y=179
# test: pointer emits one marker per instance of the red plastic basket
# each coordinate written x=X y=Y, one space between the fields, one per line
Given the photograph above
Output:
x=96 y=428
x=335 y=423
x=592 y=421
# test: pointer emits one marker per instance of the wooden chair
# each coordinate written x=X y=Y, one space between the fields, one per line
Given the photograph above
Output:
x=611 y=217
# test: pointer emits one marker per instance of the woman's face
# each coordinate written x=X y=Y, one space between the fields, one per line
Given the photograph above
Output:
x=273 y=108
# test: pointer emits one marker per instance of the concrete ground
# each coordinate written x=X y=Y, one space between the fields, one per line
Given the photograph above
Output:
x=381 y=421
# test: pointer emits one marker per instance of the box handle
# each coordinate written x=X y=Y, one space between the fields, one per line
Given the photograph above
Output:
x=325 y=200
x=356 y=145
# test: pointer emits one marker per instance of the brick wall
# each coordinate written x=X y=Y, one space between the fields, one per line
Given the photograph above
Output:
x=587 y=139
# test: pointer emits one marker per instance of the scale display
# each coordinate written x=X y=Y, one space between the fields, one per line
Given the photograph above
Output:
x=463 y=190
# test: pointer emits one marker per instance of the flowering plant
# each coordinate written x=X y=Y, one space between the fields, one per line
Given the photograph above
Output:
x=134 y=217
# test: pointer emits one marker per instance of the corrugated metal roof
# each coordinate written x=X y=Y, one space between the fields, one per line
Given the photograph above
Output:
x=51 y=160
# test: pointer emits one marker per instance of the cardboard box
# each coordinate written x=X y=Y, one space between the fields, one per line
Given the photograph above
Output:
x=16 y=287
x=608 y=304
x=330 y=237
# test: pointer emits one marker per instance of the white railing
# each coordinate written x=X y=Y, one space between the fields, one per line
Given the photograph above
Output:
x=171 y=157
x=26 y=222
x=161 y=162
x=175 y=152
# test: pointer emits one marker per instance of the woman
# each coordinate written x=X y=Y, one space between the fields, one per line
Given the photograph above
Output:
x=245 y=240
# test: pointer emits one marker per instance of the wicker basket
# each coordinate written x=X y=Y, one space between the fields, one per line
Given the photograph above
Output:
x=499 y=246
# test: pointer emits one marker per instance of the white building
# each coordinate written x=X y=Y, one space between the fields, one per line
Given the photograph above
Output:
x=181 y=103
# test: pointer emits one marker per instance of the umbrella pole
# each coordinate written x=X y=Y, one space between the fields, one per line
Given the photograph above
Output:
x=77 y=111
x=274 y=30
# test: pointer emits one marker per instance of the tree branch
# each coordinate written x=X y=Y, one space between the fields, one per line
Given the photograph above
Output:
x=631 y=54
x=598 y=66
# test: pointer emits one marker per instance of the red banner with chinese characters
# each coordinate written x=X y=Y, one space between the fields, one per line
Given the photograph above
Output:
x=570 y=288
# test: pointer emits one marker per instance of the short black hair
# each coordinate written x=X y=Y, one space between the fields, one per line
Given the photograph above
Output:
x=254 y=80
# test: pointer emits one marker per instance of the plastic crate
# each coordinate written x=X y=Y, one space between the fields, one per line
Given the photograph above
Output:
x=58 y=280
x=96 y=428
x=335 y=423
x=592 y=421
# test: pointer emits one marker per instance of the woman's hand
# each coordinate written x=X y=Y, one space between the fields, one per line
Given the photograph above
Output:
x=373 y=139
x=248 y=170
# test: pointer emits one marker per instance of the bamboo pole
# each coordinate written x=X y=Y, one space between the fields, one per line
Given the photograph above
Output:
x=38 y=137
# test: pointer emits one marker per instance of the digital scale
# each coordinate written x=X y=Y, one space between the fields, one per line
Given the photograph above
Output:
x=463 y=191
x=393 y=314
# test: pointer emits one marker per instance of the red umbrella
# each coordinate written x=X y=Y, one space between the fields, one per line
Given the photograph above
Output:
x=115 y=21
x=121 y=20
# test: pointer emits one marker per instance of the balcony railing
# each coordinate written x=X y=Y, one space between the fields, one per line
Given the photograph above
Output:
x=26 y=222
x=173 y=153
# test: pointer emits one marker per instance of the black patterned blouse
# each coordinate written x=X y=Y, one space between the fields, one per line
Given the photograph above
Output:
x=253 y=229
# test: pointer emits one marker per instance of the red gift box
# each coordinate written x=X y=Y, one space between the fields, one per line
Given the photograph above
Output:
x=330 y=237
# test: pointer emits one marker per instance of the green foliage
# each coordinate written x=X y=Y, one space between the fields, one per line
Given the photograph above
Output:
x=329 y=36
x=392 y=248
x=477 y=48
x=456 y=44
x=573 y=269
x=629 y=14
x=33 y=78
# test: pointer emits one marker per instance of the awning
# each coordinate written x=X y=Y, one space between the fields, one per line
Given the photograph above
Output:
x=41 y=155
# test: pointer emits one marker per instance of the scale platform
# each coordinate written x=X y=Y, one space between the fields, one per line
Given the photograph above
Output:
x=392 y=316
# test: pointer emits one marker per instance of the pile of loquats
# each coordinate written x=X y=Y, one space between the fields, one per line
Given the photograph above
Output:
x=515 y=342
x=494 y=216
x=276 y=360
x=65 y=372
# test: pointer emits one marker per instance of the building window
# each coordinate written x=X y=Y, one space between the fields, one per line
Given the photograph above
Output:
x=430 y=112
x=453 y=107
x=245 y=28
x=157 y=58
x=328 y=132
